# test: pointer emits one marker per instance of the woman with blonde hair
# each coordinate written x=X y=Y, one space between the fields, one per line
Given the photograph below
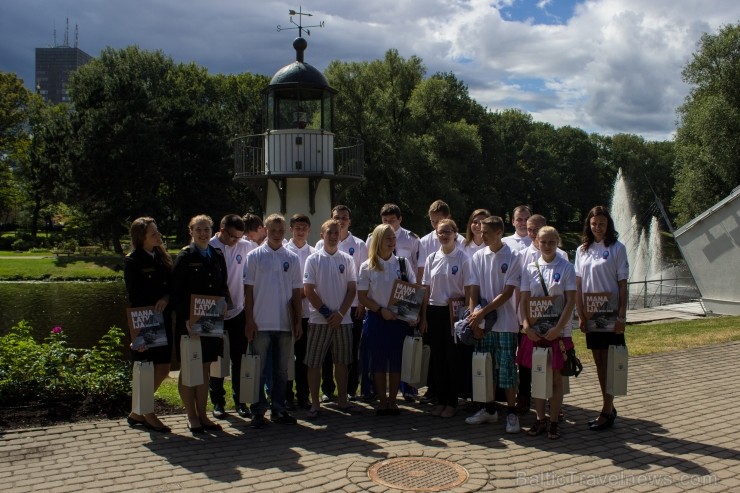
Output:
x=148 y=273
x=199 y=269
x=383 y=334
x=550 y=275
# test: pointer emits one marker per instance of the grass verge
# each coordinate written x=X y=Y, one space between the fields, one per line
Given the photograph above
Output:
x=72 y=268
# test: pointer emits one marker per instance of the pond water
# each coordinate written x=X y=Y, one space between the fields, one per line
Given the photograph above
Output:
x=84 y=310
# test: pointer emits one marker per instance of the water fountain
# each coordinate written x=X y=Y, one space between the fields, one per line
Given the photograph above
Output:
x=643 y=247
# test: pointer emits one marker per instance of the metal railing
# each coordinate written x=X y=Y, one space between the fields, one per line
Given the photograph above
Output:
x=659 y=292
x=297 y=153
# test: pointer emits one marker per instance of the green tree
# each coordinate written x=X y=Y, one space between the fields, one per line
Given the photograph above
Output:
x=708 y=137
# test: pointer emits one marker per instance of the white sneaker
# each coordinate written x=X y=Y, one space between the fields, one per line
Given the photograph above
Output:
x=482 y=417
x=512 y=424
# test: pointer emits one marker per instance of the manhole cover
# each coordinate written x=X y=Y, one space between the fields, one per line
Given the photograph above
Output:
x=418 y=474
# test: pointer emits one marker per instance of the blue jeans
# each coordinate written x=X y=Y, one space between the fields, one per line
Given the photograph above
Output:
x=275 y=345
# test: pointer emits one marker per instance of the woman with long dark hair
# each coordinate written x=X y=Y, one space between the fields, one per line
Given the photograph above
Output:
x=148 y=274
x=602 y=270
x=474 y=234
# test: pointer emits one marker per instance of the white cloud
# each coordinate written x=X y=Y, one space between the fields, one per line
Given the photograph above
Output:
x=613 y=66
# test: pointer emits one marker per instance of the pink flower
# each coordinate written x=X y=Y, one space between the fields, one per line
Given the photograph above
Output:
x=56 y=330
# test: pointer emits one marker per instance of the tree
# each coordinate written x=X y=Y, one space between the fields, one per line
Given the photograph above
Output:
x=708 y=138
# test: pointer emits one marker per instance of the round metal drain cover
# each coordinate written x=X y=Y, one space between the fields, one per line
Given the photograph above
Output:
x=418 y=474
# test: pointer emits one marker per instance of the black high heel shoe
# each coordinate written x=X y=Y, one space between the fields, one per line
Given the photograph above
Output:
x=160 y=429
x=592 y=421
x=196 y=430
x=607 y=423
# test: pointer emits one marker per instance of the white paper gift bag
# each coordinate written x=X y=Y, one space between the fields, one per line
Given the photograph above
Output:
x=541 y=373
x=191 y=361
x=482 y=377
x=616 y=371
x=142 y=388
x=249 y=380
x=566 y=384
x=411 y=360
x=221 y=367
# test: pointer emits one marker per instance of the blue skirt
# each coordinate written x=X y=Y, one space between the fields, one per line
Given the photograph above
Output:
x=381 y=347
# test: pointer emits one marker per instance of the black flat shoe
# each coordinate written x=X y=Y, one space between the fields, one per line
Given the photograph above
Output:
x=196 y=430
x=135 y=422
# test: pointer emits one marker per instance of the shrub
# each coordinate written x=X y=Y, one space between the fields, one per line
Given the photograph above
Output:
x=21 y=245
x=51 y=371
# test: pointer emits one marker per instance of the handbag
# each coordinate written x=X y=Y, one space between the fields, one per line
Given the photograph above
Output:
x=572 y=366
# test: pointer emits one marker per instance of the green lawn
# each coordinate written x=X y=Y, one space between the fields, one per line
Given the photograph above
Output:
x=64 y=268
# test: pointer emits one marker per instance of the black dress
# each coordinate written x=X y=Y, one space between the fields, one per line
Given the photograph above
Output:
x=198 y=274
x=148 y=280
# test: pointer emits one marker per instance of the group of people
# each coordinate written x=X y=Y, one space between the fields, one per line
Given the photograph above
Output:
x=325 y=308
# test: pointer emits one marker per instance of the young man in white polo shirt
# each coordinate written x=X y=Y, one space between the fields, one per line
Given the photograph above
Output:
x=273 y=289
x=357 y=249
x=497 y=273
x=229 y=240
x=520 y=239
x=330 y=283
x=300 y=227
x=430 y=243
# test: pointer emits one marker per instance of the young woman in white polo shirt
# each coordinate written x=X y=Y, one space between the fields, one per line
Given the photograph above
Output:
x=602 y=267
x=447 y=273
x=383 y=334
x=474 y=235
x=550 y=275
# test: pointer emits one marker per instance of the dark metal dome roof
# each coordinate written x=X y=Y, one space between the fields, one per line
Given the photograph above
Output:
x=299 y=73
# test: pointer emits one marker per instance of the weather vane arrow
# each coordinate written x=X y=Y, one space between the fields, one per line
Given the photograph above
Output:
x=299 y=25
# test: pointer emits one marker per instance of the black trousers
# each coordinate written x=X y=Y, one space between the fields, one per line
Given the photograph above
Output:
x=445 y=356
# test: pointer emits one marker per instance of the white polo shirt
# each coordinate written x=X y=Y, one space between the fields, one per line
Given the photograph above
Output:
x=601 y=268
x=379 y=284
x=430 y=244
x=447 y=275
x=303 y=254
x=492 y=272
x=355 y=248
x=274 y=275
x=407 y=246
x=330 y=275
x=471 y=248
x=236 y=271
x=517 y=242
x=559 y=276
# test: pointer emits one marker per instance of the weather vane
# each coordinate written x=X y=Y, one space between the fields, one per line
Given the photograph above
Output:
x=299 y=26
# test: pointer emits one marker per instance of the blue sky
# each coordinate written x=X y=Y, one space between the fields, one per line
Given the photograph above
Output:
x=606 y=66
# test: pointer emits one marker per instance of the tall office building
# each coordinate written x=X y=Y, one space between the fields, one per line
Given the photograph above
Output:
x=54 y=66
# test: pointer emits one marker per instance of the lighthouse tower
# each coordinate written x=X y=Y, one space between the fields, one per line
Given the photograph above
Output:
x=299 y=164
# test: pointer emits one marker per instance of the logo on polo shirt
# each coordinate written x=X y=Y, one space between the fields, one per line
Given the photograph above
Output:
x=556 y=277
x=605 y=254
x=341 y=268
x=351 y=251
x=305 y=276
x=454 y=270
x=504 y=268
x=238 y=259
x=285 y=266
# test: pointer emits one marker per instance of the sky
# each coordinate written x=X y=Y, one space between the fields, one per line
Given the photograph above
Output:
x=606 y=66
